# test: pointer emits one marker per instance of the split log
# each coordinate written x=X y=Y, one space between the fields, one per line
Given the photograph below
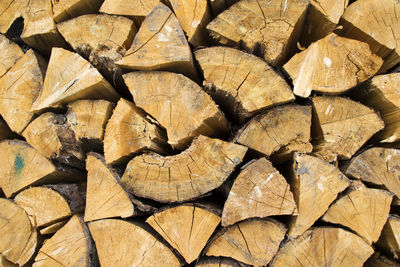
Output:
x=132 y=245
x=382 y=94
x=105 y=197
x=332 y=65
x=281 y=130
x=241 y=83
x=69 y=246
x=324 y=246
x=10 y=54
x=271 y=28
x=135 y=9
x=18 y=238
x=95 y=38
x=19 y=88
x=259 y=191
x=19 y=168
x=380 y=166
x=322 y=19
x=129 y=132
x=378 y=260
x=375 y=22
x=342 y=126
x=10 y=10
x=68 y=9
x=193 y=15
x=364 y=210
x=5 y=263
x=69 y=77
x=51 y=229
x=66 y=137
x=204 y=166
x=178 y=104
x=218 y=262
x=46 y=206
x=253 y=242
x=389 y=240
x=315 y=185
x=186 y=228
x=160 y=44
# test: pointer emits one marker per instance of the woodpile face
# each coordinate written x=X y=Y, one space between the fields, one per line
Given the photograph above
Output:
x=199 y=133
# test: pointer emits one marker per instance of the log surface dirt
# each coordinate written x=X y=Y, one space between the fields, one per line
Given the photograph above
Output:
x=204 y=133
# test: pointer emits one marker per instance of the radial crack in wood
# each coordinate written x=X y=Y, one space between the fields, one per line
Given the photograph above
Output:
x=254 y=242
x=67 y=137
x=19 y=168
x=376 y=23
x=322 y=19
x=380 y=166
x=315 y=185
x=69 y=246
x=105 y=197
x=259 y=191
x=364 y=210
x=324 y=246
x=10 y=54
x=331 y=65
x=203 y=167
x=178 y=104
x=241 y=83
x=282 y=129
x=271 y=28
x=68 y=9
x=160 y=44
x=19 y=88
x=389 y=240
x=69 y=77
x=131 y=245
x=131 y=131
x=18 y=238
x=342 y=126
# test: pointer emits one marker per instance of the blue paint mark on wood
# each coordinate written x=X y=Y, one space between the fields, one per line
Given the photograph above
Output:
x=18 y=165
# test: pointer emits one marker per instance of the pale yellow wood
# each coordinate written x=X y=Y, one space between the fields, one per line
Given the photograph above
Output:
x=379 y=260
x=10 y=10
x=102 y=39
x=382 y=94
x=281 y=129
x=241 y=83
x=322 y=19
x=43 y=205
x=130 y=131
x=130 y=245
x=253 y=242
x=315 y=185
x=331 y=65
x=324 y=246
x=342 y=126
x=131 y=8
x=51 y=229
x=178 y=104
x=375 y=22
x=379 y=166
x=19 y=168
x=389 y=240
x=69 y=77
x=105 y=197
x=258 y=191
x=19 y=88
x=18 y=238
x=5 y=263
x=160 y=44
x=67 y=9
x=69 y=246
x=217 y=262
x=204 y=166
x=193 y=15
x=364 y=210
x=186 y=228
x=9 y=55
x=270 y=27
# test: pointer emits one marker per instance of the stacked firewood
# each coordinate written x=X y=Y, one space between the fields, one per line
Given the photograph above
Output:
x=199 y=132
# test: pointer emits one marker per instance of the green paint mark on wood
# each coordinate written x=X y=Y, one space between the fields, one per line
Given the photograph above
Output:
x=18 y=164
